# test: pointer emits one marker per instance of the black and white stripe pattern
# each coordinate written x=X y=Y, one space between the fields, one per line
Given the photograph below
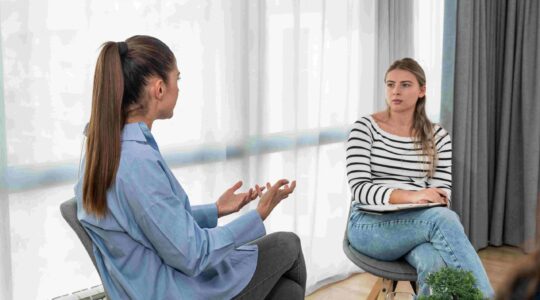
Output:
x=379 y=162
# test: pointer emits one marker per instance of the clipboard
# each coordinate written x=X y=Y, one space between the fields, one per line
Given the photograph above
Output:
x=394 y=207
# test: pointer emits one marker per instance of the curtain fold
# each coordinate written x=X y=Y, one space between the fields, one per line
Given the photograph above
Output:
x=496 y=130
x=448 y=66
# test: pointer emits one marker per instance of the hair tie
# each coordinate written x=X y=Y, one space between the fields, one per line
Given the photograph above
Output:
x=122 y=48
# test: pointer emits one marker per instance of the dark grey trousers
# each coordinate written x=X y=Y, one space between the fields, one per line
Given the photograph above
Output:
x=281 y=270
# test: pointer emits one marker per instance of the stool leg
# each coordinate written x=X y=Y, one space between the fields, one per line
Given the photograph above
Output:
x=381 y=288
x=394 y=286
x=388 y=287
x=375 y=290
x=414 y=287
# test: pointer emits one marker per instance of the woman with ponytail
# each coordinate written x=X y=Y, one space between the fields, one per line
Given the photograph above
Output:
x=398 y=156
x=149 y=242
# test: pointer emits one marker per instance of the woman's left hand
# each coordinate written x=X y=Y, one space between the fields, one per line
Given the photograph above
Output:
x=230 y=202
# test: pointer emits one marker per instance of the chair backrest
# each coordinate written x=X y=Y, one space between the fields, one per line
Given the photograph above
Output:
x=398 y=270
x=69 y=212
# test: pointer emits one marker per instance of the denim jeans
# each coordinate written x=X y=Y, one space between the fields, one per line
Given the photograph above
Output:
x=428 y=239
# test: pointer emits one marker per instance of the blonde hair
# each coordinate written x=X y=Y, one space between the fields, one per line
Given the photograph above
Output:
x=422 y=128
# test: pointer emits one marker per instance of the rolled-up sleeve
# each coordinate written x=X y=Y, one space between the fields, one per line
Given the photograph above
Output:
x=176 y=233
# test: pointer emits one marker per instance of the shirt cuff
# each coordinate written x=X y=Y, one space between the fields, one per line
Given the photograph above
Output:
x=449 y=195
x=386 y=196
x=246 y=228
x=206 y=215
x=449 y=201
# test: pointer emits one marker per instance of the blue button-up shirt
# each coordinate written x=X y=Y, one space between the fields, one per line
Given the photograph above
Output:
x=153 y=245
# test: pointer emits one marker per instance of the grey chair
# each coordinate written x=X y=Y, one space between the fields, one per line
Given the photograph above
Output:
x=69 y=212
x=389 y=272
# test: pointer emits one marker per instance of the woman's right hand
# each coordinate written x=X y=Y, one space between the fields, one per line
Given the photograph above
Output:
x=430 y=195
x=273 y=195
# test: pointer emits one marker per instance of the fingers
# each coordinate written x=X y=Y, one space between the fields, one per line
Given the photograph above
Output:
x=435 y=195
x=259 y=190
x=288 y=189
x=432 y=195
x=293 y=186
x=256 y=191
x=252 y=194
x=236 y=186
x=281 y=188
x=279 y=183
x=445 y=200
x=434 y=198
x=441 y=192
x=442 y=199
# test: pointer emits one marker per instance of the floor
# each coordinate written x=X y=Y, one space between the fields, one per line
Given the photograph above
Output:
x=496 y=260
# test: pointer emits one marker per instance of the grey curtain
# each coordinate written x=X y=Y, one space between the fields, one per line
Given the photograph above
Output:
x=496 y=118
x=395 y=40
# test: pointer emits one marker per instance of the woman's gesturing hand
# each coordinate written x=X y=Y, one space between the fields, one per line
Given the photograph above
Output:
x=430 y=195
x=230 y=202
x=274 y=194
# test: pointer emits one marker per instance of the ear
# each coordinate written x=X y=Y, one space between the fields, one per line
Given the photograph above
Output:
x=422 y=91
x=158 y=89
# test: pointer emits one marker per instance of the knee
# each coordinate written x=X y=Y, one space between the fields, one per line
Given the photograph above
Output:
x=289 y=241
x=445 y=216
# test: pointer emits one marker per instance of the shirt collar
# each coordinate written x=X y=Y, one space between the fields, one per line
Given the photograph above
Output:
x=134 y=132
x=138 y=132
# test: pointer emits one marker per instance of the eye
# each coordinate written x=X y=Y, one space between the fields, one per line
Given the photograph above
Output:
x=406 y=85
x=390 y=84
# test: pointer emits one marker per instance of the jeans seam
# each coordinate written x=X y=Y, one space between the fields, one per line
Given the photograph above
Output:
x=449 y=248
x=391 y=222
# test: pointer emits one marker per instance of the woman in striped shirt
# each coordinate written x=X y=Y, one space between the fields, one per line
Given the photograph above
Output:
x=398 y=156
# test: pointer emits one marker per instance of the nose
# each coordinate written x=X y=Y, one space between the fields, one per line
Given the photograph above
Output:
x=395 y=90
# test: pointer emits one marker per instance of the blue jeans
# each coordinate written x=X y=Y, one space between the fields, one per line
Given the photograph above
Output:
x=428 y=239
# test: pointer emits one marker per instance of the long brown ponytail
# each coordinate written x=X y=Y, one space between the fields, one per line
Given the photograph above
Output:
x=422 y=128
x=121 y=73
x=104 y=128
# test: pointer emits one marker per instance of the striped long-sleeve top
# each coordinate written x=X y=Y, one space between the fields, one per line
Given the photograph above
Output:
x=379 y=162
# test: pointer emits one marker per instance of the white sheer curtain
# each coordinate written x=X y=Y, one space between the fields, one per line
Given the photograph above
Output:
x=268 y=90
x=428 y=37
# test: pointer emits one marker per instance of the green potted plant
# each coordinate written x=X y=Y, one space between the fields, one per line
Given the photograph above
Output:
x=450 y=283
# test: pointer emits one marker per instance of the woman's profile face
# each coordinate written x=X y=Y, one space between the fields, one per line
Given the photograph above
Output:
x=171 y=94
x=402 y=90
